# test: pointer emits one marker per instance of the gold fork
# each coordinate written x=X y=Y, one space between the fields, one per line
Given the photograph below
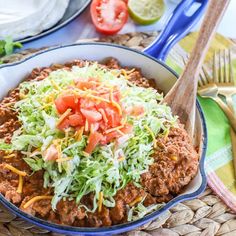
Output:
x=208 y=88
x=224 y=76
x=222 y=83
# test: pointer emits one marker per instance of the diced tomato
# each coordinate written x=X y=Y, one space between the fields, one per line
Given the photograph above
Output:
x=51 y=154
x=105 y=95
x=76 y=119
x=127 y=129
x=109 y=16
x=93 y=141
x=94 y=116
x=66 y=101
x=83 y=85
x=91 y=115
x=113 y=117
x=104 y=116
x=116 y=96
x=109 y=137
x=70 y=100
x=60 y=105
x=135 y=110
x=94 y=126
x=86 y=104
x=101 y=105
x=64 y=124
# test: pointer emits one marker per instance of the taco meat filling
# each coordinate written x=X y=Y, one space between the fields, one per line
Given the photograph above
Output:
x=174 y=164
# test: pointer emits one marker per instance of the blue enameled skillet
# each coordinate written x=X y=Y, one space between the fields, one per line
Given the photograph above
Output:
x=151 y=61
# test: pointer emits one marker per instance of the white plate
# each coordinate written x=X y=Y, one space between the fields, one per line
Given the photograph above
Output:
x=28 y=20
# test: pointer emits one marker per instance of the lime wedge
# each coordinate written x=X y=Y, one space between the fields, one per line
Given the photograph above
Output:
x=146 y=12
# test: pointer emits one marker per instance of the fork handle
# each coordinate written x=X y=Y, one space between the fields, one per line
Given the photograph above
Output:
x=230 y=103
x=227 y=111
x=233 y=141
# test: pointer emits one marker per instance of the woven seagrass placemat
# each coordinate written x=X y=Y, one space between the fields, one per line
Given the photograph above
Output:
x=205 y=216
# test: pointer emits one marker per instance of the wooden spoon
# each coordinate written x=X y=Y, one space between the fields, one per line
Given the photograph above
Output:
x=182 y=97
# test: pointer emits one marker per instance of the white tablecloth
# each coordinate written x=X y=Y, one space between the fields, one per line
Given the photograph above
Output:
x=82 y=27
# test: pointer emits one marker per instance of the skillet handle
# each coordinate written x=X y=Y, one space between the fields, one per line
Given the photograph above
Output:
x=178 y=25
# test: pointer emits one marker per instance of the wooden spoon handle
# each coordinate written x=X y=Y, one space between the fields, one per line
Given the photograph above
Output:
x=181 y=98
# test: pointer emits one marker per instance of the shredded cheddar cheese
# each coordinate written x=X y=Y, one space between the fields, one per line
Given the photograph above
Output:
x=64 y=159
x=15 y=170
x=87 y=94
x=35 y=199
x=114 y=103
x=66 y=136
x=79 y=134
x=104 y=116
x=152 y=134
x=45 y=106
x=85 y=154
x=125 y=94
x=20 y=185
x=111 y=95
x=135 y=201
x=114 y=129
x=55 y=85
x=120 y=132
x=100 y=200
x=124 y=120
x=8 y=104
x=35 y=152
x=86 y=128
x=22 y=95
x=98 y=98
x=124 y=73
x=63 y=116
x=9 y=156
x=57 y=143
x=166 y=134
x=92 y=128
x=117 y=105
x=50 y=98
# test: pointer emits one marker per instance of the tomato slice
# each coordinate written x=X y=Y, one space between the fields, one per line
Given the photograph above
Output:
x=109 y=16
x=91 y=115
x=93 y=141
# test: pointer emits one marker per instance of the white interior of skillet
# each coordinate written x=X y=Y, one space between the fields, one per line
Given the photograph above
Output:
x=12 y=75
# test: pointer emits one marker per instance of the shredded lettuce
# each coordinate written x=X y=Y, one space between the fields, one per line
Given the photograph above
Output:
x=5 y=146
x=101 y=171
x=139 y=211
x=34 y=163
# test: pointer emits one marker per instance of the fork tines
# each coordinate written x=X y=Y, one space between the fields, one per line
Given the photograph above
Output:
x=222 y=67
